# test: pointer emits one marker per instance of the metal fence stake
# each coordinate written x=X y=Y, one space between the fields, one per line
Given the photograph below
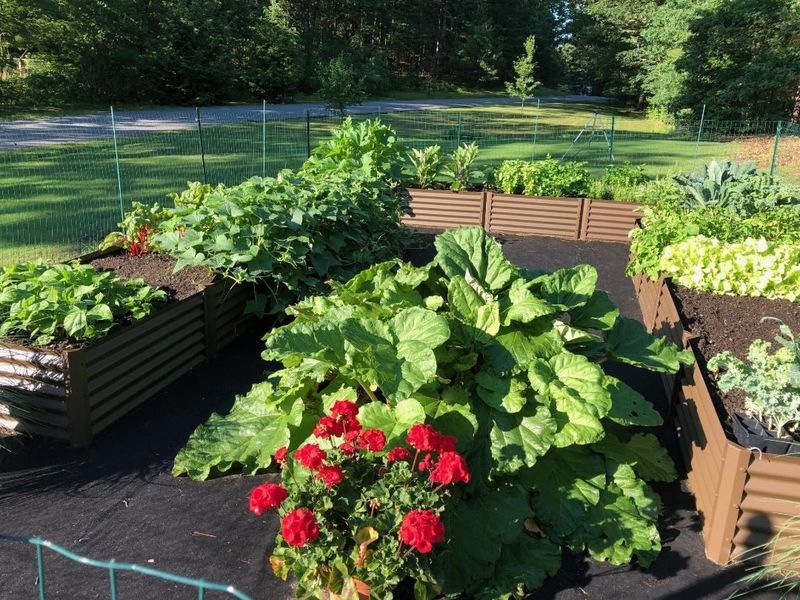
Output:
x=536 y=128
x=308 y=134
x=116 y=161
x=611 y=141
x=774 y=164
x=264 y=138
x=202 y=147
x=458 y=130
x=700 y=131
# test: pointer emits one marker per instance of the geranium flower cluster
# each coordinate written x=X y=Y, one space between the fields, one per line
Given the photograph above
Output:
x=344 y=447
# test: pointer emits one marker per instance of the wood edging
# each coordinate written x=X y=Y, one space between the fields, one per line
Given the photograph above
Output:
x=744 y=497
x=564 y=217
x=74 y=394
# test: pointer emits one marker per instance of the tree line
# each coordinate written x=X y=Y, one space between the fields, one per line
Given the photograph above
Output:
x=740 y=57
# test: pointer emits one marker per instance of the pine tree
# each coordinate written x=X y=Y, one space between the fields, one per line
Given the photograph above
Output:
x=525 y=84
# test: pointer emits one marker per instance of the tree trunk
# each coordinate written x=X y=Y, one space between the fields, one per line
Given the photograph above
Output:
x=796 y=109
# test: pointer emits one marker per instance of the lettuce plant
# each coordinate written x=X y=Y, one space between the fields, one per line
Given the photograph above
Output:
x=549 y=177
x=754 y=267
x=770 y=380
x=507 y=361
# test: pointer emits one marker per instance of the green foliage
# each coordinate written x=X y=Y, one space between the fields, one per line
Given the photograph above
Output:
x=504 y=359
x=137 y=229
x=290 y=233
x=340 y=85
x=426 y=166
x=667 y=224
x=549 y=177
x=619 y=182
x=524 y=84
x=68 y=302
x=736 y=188
x=754 y=267
x=769 y=379
x=460 y=172
x=369 y=147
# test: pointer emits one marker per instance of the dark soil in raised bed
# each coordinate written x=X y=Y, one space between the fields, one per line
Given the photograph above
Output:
x=730 y=323
x=156 y=271
x=118 y=499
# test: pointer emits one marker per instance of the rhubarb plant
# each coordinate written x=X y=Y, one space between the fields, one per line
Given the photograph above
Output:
x=508 y=361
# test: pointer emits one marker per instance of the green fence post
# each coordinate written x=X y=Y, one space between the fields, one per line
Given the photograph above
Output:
x=611 y=141
x=700 y=131
x=458 y=130
x=535 y=128
x=774 y=164
x=40 y=571
x=202 y=147
x=116 y=160
x=308 y=134
x=264 y=138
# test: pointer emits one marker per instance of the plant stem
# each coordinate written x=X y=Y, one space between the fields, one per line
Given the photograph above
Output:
x=369 y=392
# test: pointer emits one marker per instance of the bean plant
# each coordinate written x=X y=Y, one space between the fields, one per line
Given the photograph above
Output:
x=68 y=302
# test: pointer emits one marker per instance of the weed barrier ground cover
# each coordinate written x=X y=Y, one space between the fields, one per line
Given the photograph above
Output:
x=118 y=500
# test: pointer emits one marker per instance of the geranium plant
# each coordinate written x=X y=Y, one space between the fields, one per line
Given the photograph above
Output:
x=357 y=517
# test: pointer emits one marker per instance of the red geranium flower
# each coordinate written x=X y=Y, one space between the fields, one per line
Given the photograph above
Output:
x=422 y=437
x=398 y=453
x=310 y=456
x=299 y=527
x=450 y=468
x=280 y=454
x=372 y=439
x=344 y=410
x=426 y=463
x=266 y=496
x=421 y=529
x=327 y=427
x=444 y=443
x=331 y=475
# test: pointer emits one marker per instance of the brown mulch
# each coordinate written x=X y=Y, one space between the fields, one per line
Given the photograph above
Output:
x=758 y=149
x=156 y=270
x=731 y=323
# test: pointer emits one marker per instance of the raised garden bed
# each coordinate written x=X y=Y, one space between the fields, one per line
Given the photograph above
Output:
x=570 y=218
x=745 y=496
x=73 y=393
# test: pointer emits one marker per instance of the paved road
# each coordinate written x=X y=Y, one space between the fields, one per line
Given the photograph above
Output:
x=77 y=128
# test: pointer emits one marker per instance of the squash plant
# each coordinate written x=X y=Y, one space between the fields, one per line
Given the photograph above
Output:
x=505 y=359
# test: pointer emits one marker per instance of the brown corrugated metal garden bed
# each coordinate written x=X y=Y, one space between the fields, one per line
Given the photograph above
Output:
x=745 y=497
x=74 y=393
x=569 y=218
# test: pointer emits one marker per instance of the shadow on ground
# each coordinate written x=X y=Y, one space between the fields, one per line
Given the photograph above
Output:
x=118 y=500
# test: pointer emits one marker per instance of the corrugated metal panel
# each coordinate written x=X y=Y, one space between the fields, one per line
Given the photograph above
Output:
x=36 y=382
x=609 y=221
x=442 y=209
x=530 y=215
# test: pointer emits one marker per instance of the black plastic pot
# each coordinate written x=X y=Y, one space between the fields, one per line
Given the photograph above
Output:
x=750 y=433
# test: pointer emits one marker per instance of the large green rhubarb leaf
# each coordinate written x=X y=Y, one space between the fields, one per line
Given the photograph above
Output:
x=568 y=289
x=525 y=565
x=258 y=424
x=471 y=250
x=629 y=342
x=629 y=407
x=519 y=440
x=642 y=452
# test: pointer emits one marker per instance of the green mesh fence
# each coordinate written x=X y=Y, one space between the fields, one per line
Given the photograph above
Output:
x=114 y=569
x=64 y=181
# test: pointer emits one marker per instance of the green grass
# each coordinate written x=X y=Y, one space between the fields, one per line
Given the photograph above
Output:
x=57 y=201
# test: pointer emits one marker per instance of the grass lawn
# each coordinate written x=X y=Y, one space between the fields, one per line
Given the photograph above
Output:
x=59 y=200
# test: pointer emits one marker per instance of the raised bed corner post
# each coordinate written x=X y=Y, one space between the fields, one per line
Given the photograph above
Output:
x=116 y=161
x=77 y=399
x=774 y=164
